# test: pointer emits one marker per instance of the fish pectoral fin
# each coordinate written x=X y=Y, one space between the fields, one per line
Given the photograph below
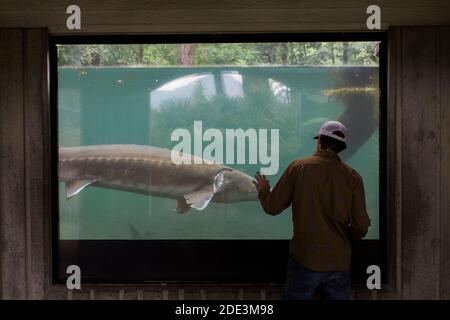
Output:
x=200 y=199
x=182 y=206
x=75 y=186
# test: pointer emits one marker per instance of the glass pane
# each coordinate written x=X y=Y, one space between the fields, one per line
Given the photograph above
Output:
x=138 y=96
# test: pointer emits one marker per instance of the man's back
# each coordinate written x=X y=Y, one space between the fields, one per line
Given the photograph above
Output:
x=328 y=210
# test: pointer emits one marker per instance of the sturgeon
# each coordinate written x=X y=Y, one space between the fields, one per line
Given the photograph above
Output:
x=150 y=170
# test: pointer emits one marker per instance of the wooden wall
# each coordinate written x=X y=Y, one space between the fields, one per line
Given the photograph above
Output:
x=24 y=169
x=418 y=183
x=188 y=16
x=419 y=102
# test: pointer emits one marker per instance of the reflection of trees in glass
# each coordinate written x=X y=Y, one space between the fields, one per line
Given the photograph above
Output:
x=274 y=102
x=256 y=109
x=289 y=53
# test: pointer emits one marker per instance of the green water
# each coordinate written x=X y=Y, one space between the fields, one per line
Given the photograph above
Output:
x=132 y=105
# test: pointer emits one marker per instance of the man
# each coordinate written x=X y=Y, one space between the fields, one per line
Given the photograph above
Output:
x=328 y=213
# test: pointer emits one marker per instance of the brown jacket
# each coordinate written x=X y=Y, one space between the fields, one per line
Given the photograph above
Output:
x=328 y=210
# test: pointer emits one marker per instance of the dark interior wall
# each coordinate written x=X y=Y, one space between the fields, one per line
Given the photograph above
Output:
x=418 y=177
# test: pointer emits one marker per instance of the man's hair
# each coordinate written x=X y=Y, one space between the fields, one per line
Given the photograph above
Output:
x=331 y=143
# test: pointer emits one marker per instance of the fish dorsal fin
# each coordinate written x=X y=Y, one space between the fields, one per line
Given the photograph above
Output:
x=75 y=186
x=200 y=198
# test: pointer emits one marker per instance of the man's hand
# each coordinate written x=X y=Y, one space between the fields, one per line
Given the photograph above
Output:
x=261 y=183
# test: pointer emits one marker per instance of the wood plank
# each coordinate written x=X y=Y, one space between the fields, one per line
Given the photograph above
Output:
x=222 y=293
x=152 y=293
x=12 y=196
x=362 y=293
x=219 y=16
x=107 y=295
x=210 y=27
x=394 y=118
x=36 y=137
x=215 y=4
x=193 y=17
x=130 y=294
x=420 y=164
x=78 y=295
x=191 y=294
x=245 y=18
x=445 y=163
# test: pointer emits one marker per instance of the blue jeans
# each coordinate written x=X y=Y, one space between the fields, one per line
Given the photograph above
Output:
x=303 y=283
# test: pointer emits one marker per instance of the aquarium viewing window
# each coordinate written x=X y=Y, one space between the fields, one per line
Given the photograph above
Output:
x=156 y=140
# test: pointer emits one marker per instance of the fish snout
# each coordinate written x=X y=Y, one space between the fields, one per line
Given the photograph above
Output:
x=235 y=186
x=252 y=193
x=247 y=190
